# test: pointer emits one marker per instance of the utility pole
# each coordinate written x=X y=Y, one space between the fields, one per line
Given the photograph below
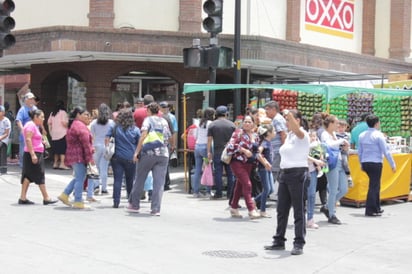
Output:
x=236 y=55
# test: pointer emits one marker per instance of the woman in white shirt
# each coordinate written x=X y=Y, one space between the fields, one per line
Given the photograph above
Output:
x=201 y=148
x=292 y=182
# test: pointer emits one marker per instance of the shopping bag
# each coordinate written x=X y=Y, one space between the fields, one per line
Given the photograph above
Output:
x=207 y=177
x=148 y=184
x=45 y=141
x=173 y=159
x=92 y=172
x=110 y=149
x=111 y=146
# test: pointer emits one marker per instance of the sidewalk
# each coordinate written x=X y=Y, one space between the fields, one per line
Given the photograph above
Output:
x=191 y=236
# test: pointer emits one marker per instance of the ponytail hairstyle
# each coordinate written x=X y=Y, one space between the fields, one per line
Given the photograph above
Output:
x=73 y=114
x=328 y=120
x=208 y=115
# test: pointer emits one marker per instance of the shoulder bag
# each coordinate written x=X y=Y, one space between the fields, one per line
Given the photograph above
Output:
x=111 y=147
x=225 y=157
x=332 y=156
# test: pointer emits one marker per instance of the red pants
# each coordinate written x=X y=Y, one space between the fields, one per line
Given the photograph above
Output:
x=243 y=184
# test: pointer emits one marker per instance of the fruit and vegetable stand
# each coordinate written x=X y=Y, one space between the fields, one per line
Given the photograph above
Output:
x=393 y=107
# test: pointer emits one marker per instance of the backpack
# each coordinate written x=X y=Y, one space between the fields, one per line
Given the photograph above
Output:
x=191 y=137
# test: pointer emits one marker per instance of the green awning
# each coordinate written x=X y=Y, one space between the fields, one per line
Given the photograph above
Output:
x=329 y=91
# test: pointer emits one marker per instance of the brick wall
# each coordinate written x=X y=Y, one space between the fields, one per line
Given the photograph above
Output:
x=368 y=27
x=190 y=15
x=400 y=33
x=101 y=14
x=293 y=20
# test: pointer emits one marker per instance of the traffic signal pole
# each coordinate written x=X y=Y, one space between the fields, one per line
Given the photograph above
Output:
x=236 y=55
x=212 y=72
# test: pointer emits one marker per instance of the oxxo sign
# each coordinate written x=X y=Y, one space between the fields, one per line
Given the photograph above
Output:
x=334 y=17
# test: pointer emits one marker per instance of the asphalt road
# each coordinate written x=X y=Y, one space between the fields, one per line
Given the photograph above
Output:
x=191 y=236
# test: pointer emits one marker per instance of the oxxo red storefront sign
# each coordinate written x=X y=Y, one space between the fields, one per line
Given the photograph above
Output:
x=334 y=17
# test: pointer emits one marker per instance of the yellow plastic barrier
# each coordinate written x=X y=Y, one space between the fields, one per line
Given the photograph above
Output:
x=393 y=185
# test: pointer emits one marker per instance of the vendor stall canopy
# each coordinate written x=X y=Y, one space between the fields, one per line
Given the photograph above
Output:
x=393 y=106
x=330 y=92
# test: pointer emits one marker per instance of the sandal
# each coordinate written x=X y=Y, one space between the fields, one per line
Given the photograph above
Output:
x=64 y=167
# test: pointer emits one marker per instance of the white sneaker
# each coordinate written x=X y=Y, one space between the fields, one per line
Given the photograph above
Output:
x=311 y=224
x=234 y=212
x=350 y=181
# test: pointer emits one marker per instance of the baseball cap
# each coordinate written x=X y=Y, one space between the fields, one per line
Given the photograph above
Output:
x=29 y=95
x=221 y=110
x=139 y=100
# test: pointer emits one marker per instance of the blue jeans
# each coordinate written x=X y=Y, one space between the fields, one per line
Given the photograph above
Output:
x=218 y=168
x=200 y=153
x=122 y=167
x=311 y=196
x=102 y=165
x=76 y=183
x=337 y=186
x=267 y=188
x=91 y=184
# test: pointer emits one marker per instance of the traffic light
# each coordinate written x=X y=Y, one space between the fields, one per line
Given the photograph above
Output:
x=7 y=23
x=218 y=57
x=213 y=22
x=194 y=57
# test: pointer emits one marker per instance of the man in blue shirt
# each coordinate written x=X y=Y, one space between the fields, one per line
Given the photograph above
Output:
x=22 y=118
x=372 y=148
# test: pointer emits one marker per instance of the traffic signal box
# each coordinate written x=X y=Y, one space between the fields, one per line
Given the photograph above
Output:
x=7 y=23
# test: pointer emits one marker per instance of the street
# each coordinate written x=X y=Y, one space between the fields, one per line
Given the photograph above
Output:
x=191 y=236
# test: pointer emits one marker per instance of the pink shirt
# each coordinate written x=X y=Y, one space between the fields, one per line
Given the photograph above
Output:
x=36 y=139
x=56 y=125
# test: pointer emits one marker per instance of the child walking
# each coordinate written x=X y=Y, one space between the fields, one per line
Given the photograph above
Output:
x=342 y=134
x=266 y=134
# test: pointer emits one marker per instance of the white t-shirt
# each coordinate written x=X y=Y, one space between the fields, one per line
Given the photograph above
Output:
x=201 y=133
x=294 y=152
x=5 y=124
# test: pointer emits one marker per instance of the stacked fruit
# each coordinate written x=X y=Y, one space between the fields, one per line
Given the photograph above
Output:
x=388 y=109
x=339 y=107
x=287 y=99
x=359 y=103
x=406 y=122
x=309 y=104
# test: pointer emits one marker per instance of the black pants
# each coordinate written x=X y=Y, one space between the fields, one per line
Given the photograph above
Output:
x=3 y=158
x=291 y=193
x=374 y=172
